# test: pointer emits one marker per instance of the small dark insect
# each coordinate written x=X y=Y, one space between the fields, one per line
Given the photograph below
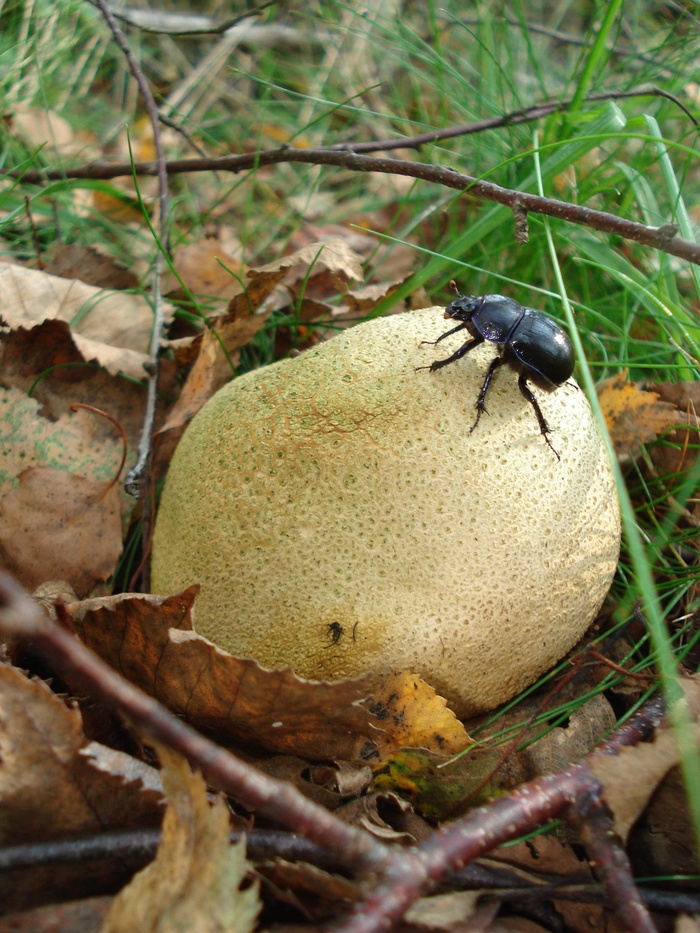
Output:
x=529 y=341
x=335 y=630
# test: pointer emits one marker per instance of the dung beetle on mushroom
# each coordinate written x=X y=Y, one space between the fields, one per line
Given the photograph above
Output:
x=529 y=341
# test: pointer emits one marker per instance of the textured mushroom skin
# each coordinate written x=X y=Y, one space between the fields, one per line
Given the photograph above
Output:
x=342 y=519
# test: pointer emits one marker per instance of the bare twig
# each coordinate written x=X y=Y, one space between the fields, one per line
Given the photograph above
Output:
x=525 y=115
x=609 y=860
x=134 y=478
x=464 y=840
x=663 y=237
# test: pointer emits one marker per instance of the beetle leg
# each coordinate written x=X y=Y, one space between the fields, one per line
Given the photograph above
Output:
x=454 y=330
x=457 y=355
x=481 y=400
x=527 y=393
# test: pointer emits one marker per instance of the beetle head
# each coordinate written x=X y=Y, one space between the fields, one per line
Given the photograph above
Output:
x=464 y=308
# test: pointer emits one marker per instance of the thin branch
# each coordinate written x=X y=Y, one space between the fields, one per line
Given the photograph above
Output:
x=663 y=238
x=134 y=479
x=525 y=115
x=609 y=860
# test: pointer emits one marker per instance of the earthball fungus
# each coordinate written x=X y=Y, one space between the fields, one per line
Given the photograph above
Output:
x=341 y=518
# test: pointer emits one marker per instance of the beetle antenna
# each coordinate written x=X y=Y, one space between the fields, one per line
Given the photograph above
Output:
x=455 y=289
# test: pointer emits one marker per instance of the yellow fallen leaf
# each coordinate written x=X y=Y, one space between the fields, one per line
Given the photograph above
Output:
x=194 y=883
x=413 y=715
x=634 y=416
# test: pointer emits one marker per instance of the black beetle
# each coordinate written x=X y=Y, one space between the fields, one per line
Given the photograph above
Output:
x=531 y=343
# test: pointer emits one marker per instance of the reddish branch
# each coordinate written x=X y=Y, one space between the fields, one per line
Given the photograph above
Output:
x=403 y=874
x=663 y=237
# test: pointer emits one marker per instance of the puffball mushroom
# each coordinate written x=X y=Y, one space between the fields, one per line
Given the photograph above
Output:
x=342 y=519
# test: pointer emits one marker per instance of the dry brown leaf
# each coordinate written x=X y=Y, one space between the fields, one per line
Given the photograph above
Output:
x=49 y=784
x=57 y=517
x=72 y=442
x=678 y=454
x=51 y=788
x=199 y=386
x=387 y=817
x=199 y=266
x=413 y=715
x=26 y=364
x=634 y=416
x=303 y=878
x=82 y=916
x=561 y=746
x=365 y=299
x=56 y=525
x=73 y=261
x=631 y=776
x=453 y=912
x=102 y=322
x=150 y=640
x=544 y=858
x=332 y=254
x=663 y=840
x=50 y=131
x=328 y=785
x=194 y=883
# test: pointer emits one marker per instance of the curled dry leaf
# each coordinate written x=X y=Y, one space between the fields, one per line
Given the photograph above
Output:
x=634 y=416
x=631 y=776
x=332 y=254
x=387 y=817
x=333 y=890
x=49 y=784
x=328 y=785
x=195 y=881
x=114 y=328
x=52 y=787
x=151 y=641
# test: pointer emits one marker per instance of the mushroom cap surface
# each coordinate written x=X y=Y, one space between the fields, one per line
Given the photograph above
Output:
x=341 y=517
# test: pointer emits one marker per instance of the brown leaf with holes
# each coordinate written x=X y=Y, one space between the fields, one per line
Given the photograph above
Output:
x=56 y=525
x=53 y=784
x=194 y=882
x=634 y=415
x=413 y=715
x=151 y=641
